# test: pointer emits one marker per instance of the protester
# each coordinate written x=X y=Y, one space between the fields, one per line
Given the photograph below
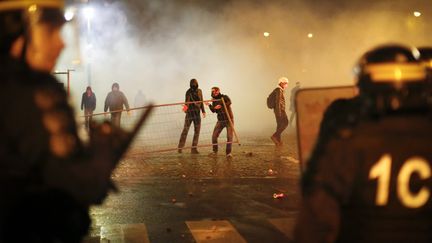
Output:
x=114 y=102
x=88 y=103
x=276 y=101
x=221 y=105
x=193 y=106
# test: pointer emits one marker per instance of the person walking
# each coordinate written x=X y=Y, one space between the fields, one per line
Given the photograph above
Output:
x=279 y=110
x=114 y=102
x=193 y=107
x=88 y=104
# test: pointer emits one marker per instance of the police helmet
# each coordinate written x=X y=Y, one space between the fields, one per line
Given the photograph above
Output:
x=18 y=16
x=393 y=78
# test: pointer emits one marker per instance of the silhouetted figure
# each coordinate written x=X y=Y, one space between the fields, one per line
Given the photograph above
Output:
x=114 y=102
x=192 y=110
x=292 y=102
x=88 y=104
x=139 y=100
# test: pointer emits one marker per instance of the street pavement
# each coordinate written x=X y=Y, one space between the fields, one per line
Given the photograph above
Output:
x=171 y=197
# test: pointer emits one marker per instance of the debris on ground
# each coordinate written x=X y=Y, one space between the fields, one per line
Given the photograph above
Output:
x=292 y=159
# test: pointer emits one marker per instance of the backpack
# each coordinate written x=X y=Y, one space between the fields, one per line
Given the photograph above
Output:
x=271 y=99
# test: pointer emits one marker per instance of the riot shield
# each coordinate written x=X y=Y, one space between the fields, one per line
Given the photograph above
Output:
x=310 y=105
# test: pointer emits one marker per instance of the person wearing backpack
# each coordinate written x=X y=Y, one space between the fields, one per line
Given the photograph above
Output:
x=276 y=101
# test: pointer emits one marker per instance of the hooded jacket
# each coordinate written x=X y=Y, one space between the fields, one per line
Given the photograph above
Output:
x=194 y=94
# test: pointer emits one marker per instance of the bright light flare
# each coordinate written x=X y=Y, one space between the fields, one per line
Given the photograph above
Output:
x=266 y=34
x=69 y=14
x=310 y=35
x=416 y=13
x=88 y=12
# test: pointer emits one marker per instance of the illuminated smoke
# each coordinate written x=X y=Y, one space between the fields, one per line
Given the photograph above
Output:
x=158 y=46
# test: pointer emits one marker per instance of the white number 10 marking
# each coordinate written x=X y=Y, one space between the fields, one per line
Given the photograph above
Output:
x=382 y=171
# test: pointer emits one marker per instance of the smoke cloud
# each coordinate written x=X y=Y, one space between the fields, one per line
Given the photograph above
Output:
x=158 y=46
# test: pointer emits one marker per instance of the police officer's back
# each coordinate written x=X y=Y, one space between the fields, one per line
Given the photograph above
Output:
x=369 y=177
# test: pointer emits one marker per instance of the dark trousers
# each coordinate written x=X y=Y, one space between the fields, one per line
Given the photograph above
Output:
x=88 y=118
x=282 y=123
x=220 y=125
x=196 y=119
x=116 y=118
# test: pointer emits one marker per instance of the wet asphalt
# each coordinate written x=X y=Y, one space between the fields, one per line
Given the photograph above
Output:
x=165 y=190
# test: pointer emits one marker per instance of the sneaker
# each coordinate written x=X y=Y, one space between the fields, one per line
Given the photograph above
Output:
x=229 y=156
x=275 y=140
x=179 y=151
x=194 y=151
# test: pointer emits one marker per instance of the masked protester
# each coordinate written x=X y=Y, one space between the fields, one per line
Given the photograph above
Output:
x=369 y=176
x=49 y=178
x=194 y=105
x=221 y=105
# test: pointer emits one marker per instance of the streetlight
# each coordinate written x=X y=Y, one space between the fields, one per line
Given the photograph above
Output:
x=69 y=14
x=416 y=13
x=88 y=13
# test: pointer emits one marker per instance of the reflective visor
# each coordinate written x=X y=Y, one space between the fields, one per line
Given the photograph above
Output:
x=395 y=72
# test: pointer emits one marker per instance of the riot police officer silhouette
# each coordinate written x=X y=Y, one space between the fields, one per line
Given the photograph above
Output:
x=369 y=176
x=49 y=178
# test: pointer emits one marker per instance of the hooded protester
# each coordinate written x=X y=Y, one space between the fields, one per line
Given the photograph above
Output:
x=115 y=101
x=221 y=105
x=193 y=106
x=88 y=104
